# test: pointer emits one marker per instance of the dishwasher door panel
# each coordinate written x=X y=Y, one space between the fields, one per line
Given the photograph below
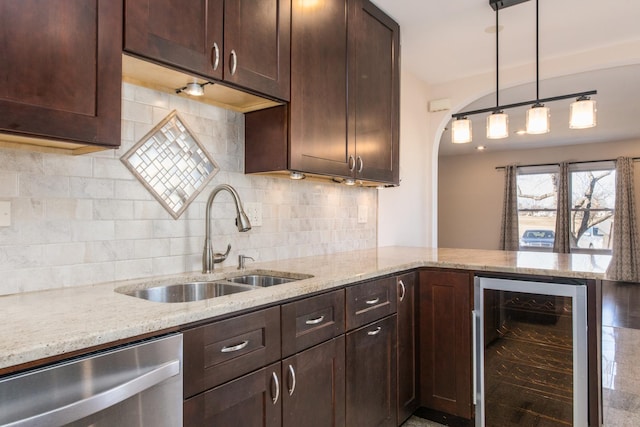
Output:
x=134 y=385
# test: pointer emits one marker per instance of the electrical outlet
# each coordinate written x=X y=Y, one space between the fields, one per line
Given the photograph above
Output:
x=363 y=214
x=5 y=214
x=254 y=212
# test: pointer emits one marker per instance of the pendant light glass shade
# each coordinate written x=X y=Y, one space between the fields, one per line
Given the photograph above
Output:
x=461 y=131
x=537 y=120
x=582 y=113
x=497 y=125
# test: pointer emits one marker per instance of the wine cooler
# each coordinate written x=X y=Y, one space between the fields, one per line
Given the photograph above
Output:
x=530 y=358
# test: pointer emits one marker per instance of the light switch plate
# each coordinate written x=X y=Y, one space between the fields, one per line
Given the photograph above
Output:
x=363 y=214
x=5 y=214
x=254 y=212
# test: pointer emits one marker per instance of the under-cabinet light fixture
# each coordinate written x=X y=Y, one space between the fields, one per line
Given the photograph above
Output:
x=193 y=88
x=296 y=175
x=582 y=112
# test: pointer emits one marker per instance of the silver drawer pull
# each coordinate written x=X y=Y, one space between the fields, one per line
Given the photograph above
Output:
x=233 y=348
x=292 y=375
x=373 y=301
x=315 y=321
x=403 y=289
x=277 y=384
x=376 y=331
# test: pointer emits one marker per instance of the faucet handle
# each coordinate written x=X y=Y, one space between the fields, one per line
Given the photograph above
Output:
x=242 y=259
x=218 y=257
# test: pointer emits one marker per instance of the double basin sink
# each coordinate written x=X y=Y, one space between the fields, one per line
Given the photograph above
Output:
x=201 y=290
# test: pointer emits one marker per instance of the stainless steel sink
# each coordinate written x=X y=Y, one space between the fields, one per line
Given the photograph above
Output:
x=186 y=292
x=260 y=280
x=196 y=291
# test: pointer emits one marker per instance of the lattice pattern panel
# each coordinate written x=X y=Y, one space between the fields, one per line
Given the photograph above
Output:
x=171 y=163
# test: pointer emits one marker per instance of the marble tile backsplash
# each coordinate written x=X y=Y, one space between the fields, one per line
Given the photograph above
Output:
x=79 y=220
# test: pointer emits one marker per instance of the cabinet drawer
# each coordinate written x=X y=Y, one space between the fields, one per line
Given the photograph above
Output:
x=311 y=321
x=224 y=350
x=370 y=301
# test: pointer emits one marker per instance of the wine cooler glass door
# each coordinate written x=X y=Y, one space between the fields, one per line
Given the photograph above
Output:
x=530 y=353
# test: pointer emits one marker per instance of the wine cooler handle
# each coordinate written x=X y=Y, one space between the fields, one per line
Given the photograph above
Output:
x=475 y=319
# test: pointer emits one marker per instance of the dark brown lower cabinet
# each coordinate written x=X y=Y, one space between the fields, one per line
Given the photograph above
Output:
x=445 y=341
x=249 y=401
x=313 y=387
x=371 y=375
x=408 y=400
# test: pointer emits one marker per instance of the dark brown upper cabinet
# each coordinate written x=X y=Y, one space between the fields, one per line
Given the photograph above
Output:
x=343 y=116
x=241 y=42
x=61 y=73
x=374 y=82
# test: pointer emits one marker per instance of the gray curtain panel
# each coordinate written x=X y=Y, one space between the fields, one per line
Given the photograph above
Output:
x=561 y=243
x=625 y=262
x=509 y=234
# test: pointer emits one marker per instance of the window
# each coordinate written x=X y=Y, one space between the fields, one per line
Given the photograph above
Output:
x=593 y=190
x=537 y=201
x=592 y=198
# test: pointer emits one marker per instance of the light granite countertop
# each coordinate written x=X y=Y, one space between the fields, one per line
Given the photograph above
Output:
x=37 y=325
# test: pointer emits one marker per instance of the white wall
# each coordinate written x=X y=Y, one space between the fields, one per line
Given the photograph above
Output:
x=405 y=212
x=81 y=220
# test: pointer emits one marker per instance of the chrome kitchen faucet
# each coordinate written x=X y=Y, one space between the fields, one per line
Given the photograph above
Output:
x=209 y=259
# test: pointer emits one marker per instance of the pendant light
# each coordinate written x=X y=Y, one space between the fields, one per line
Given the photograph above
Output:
x=461 y=130
x=583 y=110
x=582 y=113
x=537 y=121
x=498 y=121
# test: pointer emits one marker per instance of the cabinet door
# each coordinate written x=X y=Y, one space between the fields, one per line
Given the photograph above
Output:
x=371 y=374
x=319 y=142
x=251 y=401
x=187 y=37
x=61 y=69
x=313 y=386
x=257 y=45
x=407 y=346
x=374 y=110
x=445 y=341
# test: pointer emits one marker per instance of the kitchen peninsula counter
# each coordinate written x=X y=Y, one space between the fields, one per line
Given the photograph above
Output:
x=44 y=324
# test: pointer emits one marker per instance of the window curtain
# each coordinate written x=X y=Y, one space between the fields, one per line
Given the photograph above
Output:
x=509 y=234
x=625 y=261
x=561 y=242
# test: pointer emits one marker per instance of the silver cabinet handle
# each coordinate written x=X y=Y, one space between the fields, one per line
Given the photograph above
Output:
x=232 y=348
x=361 y=163
x=215 y=56
x=234 y=61
x=292 y=375
x=373 y=301
x=315 y=321
x=403 y=289
x=101 y=401
x=277 y=384
x=376 y=331
x=351 y=163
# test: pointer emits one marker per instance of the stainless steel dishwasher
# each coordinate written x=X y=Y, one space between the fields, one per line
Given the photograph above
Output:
x=134 y=385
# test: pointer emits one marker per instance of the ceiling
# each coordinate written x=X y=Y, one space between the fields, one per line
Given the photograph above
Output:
x=445 y=41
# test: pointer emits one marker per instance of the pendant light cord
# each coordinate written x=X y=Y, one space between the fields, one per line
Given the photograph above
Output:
x=497 y=62
x=537 y=58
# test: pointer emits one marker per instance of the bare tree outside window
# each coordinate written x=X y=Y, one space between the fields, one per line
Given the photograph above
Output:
x=591 y=210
